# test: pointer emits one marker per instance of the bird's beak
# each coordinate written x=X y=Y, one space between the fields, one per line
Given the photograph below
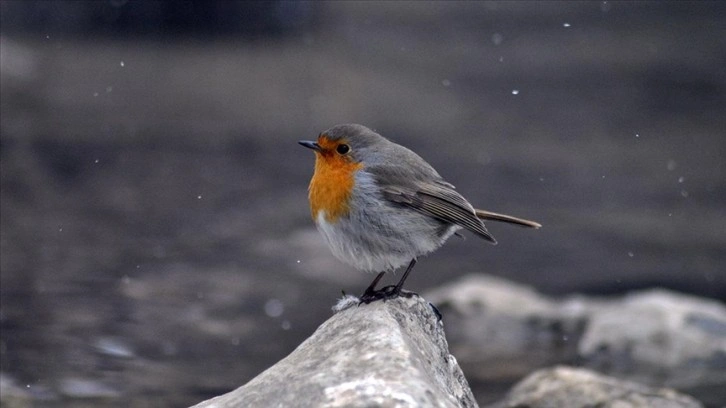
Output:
x=311 y=145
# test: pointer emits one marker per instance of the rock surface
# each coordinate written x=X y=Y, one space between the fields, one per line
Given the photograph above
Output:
x=502 y=331
x=659 y=337
x=567 y=387
x=384 y=354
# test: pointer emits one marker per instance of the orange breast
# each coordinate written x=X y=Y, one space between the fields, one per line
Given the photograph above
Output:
x=332 y=185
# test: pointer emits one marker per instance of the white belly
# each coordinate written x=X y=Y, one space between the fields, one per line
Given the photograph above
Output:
x=380 y=247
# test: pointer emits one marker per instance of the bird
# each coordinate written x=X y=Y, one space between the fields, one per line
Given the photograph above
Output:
x=379 y=205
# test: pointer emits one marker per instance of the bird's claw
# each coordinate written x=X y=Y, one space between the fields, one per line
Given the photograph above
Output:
x=385 y=293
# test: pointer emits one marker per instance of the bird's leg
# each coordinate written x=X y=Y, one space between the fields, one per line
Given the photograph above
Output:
x=371 y=293
x=372 y=287
x=398 y=289
x=387 y=292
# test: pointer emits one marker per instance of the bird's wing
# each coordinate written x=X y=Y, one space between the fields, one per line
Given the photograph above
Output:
x=421 y=188
x=406 y=179
x=437 y=200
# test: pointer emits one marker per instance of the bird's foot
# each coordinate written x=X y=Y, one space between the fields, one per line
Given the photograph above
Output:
x=385 y=293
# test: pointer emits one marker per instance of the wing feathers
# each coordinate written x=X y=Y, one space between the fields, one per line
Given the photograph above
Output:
x=488 y=215
x=440 y=202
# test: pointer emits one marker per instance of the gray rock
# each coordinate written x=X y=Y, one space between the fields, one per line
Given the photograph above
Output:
x=502 y=331
x=660 y=337
x=384 y=354
x=567 y=387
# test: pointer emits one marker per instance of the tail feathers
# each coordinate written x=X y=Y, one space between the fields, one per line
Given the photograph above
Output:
x=492 y=216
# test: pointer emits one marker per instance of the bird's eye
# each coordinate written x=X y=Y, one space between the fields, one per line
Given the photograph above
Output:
x=342 y=148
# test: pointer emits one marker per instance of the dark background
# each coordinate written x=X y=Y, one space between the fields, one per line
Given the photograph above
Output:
x=156 y=243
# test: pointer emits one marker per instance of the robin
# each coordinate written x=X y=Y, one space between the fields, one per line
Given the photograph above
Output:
x=379 y=205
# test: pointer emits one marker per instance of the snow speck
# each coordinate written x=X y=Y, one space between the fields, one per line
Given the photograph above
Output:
x=95 y=94
x=631 y=254
x=96 y=161
x=286 y=325
x=109 y=89
x=541 y=179
x=515 y=91
x=298 y=261
x=274 y=308
x=605 y=6
x=122 y=63
x=497 y=38
x=446 y=82
x=199 y=197
x=637 y=135
x=671 y=165
x=681 y=179
x=684 y=193
x=60 y=229
x=566 y=25
x=126 y=280
x=501 y=59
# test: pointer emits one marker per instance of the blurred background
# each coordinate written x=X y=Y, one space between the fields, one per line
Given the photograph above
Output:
x=156 y=244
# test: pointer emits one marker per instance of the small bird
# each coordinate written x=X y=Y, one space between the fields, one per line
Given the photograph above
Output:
x=379 y=205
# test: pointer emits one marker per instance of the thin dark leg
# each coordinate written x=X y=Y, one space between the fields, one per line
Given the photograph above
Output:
x=399 y=285
x=388 y=292
x=371 y=289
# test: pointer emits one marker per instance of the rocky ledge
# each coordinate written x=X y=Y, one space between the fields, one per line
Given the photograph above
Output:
x=395 y=353
x=384 y=354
